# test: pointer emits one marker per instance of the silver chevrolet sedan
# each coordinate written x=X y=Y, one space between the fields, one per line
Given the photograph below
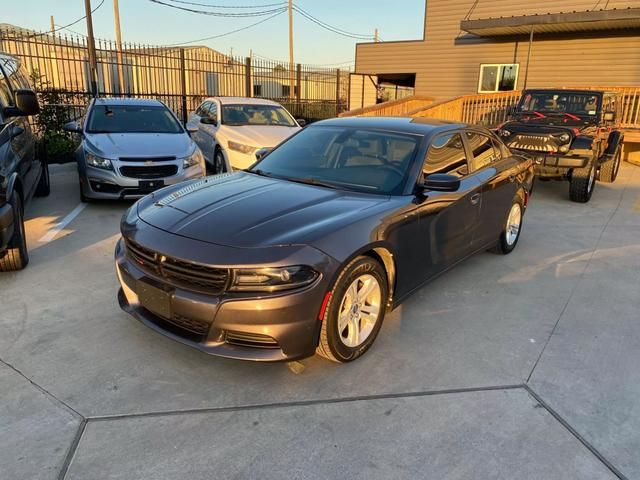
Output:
x=131 y=147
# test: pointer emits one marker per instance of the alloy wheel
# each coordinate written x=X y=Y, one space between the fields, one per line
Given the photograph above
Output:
x=514 y=221
x=359 y=310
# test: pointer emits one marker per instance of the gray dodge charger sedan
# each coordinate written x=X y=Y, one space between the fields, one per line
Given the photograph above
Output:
x=307 y=249
x=131 y=147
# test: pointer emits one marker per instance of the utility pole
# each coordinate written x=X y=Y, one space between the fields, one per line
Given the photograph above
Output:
x=291 y=73
x=91 y=46
x=116 y=16
x=375 y=36
x=53 y=24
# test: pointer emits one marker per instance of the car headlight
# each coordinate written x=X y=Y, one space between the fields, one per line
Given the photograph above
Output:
x=98 y=162
x=272 y=279
x=565 y=137
x=242 y=148
x=504 y=133
x=192 y=160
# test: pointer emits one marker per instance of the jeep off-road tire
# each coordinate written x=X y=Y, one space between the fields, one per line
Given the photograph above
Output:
x=355 y=311
x=16 y=257
x=582 y=184
x=609 y=169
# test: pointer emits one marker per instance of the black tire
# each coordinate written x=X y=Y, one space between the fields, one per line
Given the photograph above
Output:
x=331 y=344
x=218 y=162
x=506 y=243
x=609 y=169
x=582 y=184
x=17 y=256
x=44 y=185
x=83 y=197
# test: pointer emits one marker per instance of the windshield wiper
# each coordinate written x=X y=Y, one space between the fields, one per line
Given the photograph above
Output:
x=260 y=172
x=311 y=181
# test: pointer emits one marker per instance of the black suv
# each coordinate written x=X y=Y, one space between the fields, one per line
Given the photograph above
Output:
x=22 y=174
x=571 y=135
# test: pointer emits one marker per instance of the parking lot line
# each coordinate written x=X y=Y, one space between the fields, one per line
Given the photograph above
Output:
x=62 y=223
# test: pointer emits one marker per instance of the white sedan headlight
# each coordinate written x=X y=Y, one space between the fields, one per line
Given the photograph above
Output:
x=98 y=162
x=192 y=160
x=242 y=148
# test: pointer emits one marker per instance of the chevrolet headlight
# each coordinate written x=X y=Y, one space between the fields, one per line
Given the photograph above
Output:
x=98 y=162
x=242 y=148
x=192 y=160
x=272 y=279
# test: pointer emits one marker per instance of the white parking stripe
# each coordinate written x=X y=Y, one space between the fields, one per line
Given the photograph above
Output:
x=62 y=223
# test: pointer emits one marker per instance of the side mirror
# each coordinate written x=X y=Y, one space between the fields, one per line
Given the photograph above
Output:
x=442 y=182
x=209 y=121
x=192 y=128
x=609 y=116
x=302 y=122
x=72 y=127
x=260 y=154
x=26 y=103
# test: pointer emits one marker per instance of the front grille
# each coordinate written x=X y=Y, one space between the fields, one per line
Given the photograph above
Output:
x=147 y=159
x=250 y=340
x=149 y=172
x=191 y=276
x=536 y=143
x=195 y=326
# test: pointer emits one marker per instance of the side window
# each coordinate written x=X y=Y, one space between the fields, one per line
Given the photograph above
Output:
x=446 y=155
x=213 y=110
x=202 y=109
x=6 y=97
x=482 y=147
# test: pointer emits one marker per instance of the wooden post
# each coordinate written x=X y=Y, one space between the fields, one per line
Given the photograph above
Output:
x=91 y=47
x=291 y=74
x=247 y=78
x=116 y=15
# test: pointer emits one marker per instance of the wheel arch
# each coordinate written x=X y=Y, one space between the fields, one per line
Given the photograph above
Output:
x=385 y=257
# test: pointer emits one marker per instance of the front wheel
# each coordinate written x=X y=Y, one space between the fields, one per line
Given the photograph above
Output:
x=218 y=162
x=353 y=317
x=44 y=185
x=513 y=227
x=582 y=184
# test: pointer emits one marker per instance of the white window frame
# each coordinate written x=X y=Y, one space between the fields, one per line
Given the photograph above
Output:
x=501 y=66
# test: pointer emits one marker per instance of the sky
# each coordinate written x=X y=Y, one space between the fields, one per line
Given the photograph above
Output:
x=143 y=21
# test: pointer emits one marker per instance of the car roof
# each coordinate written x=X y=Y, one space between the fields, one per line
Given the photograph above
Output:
x=243 y=101
x=564 y=90
x=414 y=125
x=128 y=101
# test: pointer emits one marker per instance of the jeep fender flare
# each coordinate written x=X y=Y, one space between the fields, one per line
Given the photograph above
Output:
x=616 y=138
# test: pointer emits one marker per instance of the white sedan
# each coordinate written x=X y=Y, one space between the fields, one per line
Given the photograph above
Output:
x=230 y=130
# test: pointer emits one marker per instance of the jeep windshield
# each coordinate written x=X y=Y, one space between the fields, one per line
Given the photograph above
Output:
x=570 y=104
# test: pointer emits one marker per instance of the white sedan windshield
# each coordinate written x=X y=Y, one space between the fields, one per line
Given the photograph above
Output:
x=256 y=115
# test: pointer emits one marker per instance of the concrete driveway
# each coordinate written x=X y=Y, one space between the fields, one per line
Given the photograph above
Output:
x=525 y=366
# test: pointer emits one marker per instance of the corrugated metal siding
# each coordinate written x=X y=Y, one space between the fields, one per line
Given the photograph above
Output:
x=447 y=62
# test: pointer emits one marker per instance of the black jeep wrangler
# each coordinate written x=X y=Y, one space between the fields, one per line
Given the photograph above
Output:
x=570 y=134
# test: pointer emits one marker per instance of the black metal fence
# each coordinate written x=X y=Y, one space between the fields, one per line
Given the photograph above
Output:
x=179 y=76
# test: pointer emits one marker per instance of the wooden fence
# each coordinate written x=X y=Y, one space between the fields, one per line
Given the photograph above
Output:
x=394 y=108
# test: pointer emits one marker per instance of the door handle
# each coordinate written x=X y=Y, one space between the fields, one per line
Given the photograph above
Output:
x=475 y=198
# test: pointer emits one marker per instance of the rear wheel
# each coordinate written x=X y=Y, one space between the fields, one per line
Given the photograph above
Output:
x=513 y=227
x=44 y=186
x=356 y=309
x=609 y=169
x=218 y=162
x=16 y=257
x=582 y=184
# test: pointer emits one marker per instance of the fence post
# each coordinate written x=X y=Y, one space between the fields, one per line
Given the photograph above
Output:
x=337 y=92
x=183 y=86
x=248 y=91
x=299 y=83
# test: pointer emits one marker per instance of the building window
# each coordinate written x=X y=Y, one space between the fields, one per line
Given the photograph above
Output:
x=286 y=89
x=257 y=90
x=498 y=77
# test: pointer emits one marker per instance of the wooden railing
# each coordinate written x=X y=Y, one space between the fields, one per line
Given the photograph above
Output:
x=489 y=109
x=394 y=108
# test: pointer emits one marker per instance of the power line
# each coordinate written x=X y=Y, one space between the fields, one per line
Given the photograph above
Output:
x=260 y=13
x=64 y=26
x=184 y=2
x=331 y=28
x=228 y=33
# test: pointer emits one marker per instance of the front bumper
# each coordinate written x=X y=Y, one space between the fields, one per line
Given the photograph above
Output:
x=266 y=328
x=102 y=184
x=557 y=164
x=6 y=225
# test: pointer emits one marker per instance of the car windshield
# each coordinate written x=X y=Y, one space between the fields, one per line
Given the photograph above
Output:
x=361 y=160
x=560 y=103
x=238 y=115
x=132 y=119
